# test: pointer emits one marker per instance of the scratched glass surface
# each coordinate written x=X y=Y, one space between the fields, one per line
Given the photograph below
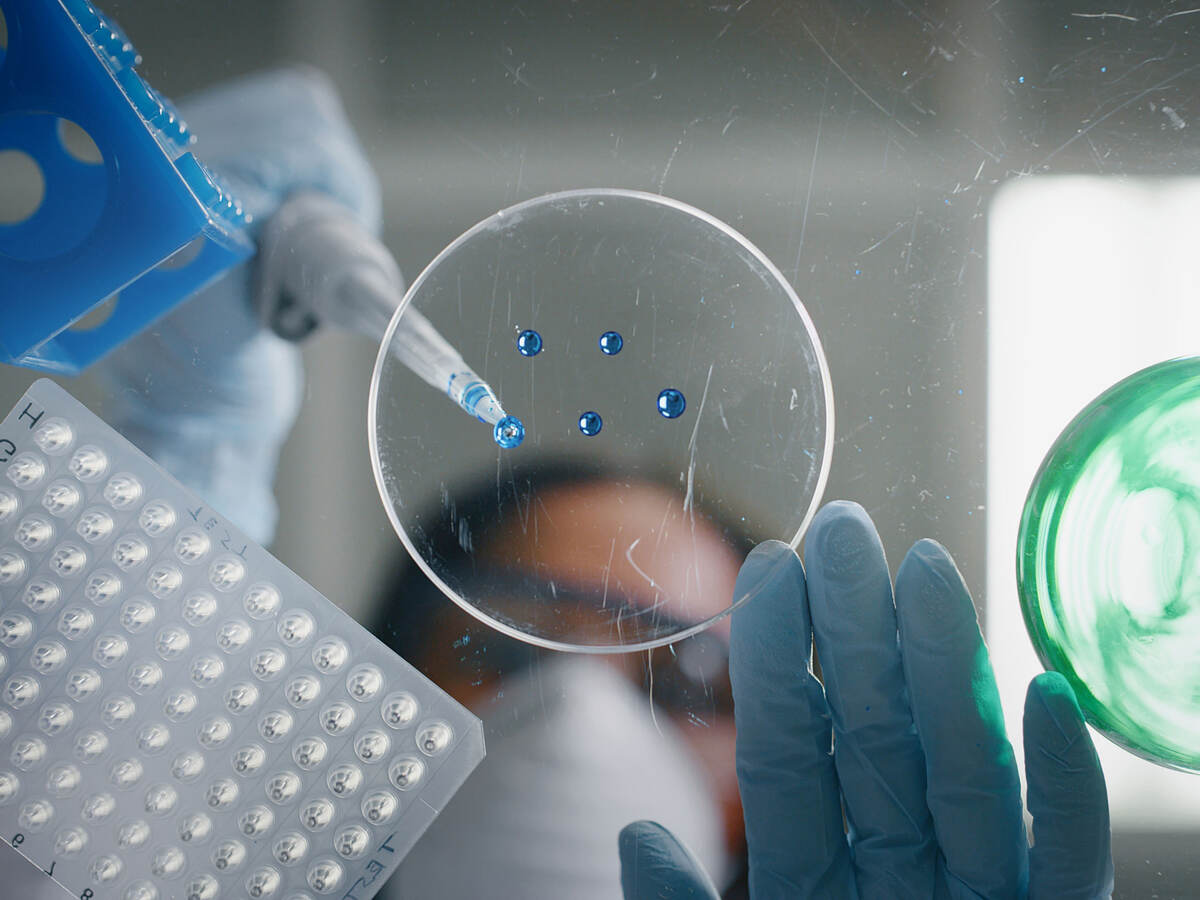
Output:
x=857 y=144
x=621 y=487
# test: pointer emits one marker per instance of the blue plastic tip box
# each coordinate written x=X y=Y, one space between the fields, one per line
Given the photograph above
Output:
x=124 y=230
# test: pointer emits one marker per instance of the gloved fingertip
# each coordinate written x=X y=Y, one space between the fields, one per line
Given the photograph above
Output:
x=933 y=557
x=845 y=555
x=1061 y=763
x=932 y=600
x=656 y=864
x=834 y=512
x=769 y=595
x=768 y=553
x=1059 y=751
x=768 y=567
x=643 y=830
x=1067 y=796
x=1050 y=701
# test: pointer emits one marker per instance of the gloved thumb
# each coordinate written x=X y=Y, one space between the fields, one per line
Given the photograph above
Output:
x=655 y=865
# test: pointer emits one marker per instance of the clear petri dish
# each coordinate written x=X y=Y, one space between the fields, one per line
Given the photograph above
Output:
x=1108 y=562
x=675 y=403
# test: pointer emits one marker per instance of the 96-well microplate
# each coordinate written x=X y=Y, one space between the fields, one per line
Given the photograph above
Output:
x=181 y=716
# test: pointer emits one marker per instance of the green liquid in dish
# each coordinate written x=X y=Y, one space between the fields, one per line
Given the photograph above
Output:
x=1108 y=562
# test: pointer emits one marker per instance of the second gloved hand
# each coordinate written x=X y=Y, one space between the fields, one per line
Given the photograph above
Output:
x=207 y=391
x=921 y=767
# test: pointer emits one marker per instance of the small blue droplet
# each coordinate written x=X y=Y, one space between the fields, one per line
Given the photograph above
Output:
x=509 y=432
x=1103 y=69
x=590 y=423
x=529 y=342
x=671 y=403
x=1021 y=80
x=611 y=343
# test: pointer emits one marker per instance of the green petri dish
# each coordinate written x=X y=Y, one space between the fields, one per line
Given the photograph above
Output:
x=1108 y=562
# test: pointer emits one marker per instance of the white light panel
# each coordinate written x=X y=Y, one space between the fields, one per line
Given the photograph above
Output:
x=1089 y=280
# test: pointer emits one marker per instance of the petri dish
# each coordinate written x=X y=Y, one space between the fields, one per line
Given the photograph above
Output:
x=675 y=403
x=1108 y=562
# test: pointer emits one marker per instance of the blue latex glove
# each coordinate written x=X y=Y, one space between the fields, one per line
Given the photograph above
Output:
x=920 y=765
x=205 y=391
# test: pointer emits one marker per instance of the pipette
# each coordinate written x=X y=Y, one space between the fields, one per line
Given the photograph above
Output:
x=318 y=265
x=419 y=346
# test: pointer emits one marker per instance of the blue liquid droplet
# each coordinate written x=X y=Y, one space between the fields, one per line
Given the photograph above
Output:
x=671 y=403
x=509 y=432
x=529 y=342
x=590 y=423
x=611 y=343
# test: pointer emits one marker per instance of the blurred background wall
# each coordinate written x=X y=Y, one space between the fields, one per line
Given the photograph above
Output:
x=858 y=144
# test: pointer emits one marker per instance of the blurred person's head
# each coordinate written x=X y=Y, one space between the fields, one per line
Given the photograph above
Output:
x=578 y=745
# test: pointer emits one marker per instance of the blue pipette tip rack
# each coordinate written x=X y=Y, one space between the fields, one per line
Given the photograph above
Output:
x=124 y=237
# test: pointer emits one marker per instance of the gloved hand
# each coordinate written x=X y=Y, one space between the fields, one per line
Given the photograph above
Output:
x=921 y=766
x=206 y=391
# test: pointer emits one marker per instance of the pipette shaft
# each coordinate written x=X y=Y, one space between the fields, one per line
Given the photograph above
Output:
x=318 y=265
x=419 y=346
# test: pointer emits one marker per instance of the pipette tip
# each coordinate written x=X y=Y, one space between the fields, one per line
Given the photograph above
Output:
x=475 y=397
x=489 y=410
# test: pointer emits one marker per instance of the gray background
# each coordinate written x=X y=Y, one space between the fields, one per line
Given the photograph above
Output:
x=857 y=144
